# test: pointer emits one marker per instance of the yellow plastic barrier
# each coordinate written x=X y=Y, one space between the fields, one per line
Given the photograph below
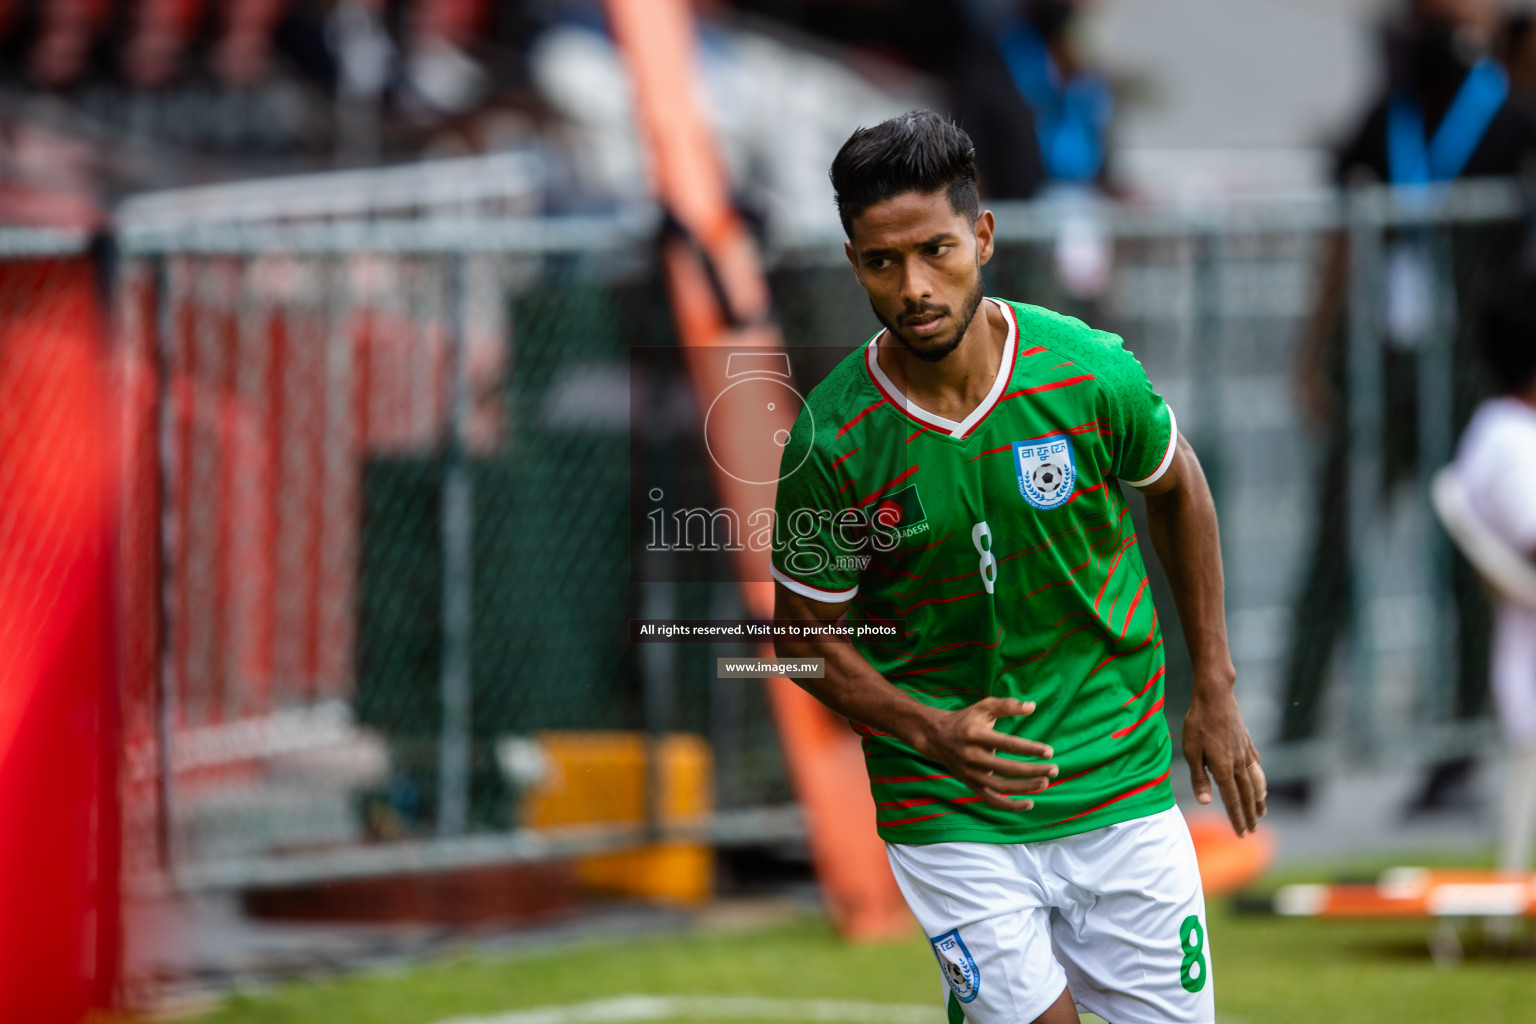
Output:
x=599 y=778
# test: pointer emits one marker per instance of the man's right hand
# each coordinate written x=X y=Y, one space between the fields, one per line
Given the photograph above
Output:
x=966 y=743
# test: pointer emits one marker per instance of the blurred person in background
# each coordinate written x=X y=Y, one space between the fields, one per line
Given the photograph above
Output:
x=1069 y=101
x=957 y=43
x=1027 y=74
x=1496 y=465
x=1445 y=113
x=1517 y=52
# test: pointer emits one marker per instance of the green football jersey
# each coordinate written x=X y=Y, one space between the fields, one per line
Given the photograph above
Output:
x=1003 y=548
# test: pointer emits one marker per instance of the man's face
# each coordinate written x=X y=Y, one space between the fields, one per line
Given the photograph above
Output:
x=920 y=262
x=1480 y=15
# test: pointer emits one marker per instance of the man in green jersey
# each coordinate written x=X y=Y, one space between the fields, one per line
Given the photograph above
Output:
x=959 y=476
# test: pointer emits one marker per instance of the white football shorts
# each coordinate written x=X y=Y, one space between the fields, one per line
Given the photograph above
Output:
x=1116 y=913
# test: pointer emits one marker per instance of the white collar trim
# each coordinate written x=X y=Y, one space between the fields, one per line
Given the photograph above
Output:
x=923 y=416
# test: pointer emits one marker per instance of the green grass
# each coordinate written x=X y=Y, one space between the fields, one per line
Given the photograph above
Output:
x=1265 y=969
x=801 y=958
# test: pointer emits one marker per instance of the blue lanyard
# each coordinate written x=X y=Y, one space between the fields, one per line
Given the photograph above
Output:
x=1070 y=116
x=1413 y=161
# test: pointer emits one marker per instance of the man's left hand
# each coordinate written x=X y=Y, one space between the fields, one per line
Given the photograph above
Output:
x=1217 y=747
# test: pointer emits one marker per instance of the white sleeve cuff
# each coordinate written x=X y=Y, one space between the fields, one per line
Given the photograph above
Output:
x=1162 y=467
x=813 y=593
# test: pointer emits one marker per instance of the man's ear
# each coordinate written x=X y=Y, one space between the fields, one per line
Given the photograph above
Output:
x=853 y=257
x=985 y=225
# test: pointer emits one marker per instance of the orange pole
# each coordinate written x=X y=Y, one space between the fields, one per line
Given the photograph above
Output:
x=823 y=754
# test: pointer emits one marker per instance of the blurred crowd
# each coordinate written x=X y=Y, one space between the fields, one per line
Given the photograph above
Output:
x=99 y=98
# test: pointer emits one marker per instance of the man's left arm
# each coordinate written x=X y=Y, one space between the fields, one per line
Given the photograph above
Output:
x=1181 y=517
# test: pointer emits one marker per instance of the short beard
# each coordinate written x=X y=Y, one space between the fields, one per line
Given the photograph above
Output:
x=937 y=352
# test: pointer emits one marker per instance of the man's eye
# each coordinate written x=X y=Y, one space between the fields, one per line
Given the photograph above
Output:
x=939 y=250
x=880 y=262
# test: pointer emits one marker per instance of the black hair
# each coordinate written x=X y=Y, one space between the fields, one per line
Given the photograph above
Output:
x=918 y=151
x=1508 y=335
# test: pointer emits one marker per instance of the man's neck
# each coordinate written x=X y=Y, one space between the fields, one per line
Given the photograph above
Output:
x=955 y=385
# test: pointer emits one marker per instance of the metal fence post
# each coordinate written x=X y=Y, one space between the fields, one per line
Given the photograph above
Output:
x=1436 y=429
x=166 y=538
x=1206 y=374
x=1364 y=376
x=658 y=670
x=458 y=570
x=725 y=707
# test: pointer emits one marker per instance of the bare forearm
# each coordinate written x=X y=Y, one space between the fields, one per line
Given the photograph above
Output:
x=852 y=688
x=964 y=741
x=1181 y=518
x=1184 y=532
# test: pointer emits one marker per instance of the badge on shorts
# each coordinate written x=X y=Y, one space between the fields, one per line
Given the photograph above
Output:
x=1047 y=470
x=958 y=965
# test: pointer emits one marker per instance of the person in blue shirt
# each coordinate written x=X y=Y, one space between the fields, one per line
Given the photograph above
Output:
x=1020 y=87
x=1446 y=113
x=1071 y=101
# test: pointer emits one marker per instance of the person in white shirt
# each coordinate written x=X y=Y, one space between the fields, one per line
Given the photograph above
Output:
x=1496 y=467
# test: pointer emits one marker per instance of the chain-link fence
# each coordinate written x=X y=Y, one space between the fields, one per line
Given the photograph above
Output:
x=376 y=526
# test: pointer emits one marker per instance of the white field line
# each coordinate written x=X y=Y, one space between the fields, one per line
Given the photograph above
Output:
x=624 y=1009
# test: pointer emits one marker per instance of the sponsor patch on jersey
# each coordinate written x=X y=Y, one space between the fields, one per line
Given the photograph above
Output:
x=903 y=512
x=1047 y=470
x=958 y=965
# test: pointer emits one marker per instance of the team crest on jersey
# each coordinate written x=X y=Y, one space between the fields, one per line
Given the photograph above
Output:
x=1047 y=470
x=958 y=965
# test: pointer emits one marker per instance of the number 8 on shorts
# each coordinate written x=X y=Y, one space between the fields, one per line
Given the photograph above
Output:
x=1192 y=969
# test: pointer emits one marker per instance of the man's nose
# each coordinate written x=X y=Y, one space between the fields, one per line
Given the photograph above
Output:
x=916 y=285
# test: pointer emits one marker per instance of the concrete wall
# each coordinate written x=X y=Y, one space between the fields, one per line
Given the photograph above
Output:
x=1235 y=92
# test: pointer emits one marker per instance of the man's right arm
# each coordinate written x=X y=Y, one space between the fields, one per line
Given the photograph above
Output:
x=963 y=741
